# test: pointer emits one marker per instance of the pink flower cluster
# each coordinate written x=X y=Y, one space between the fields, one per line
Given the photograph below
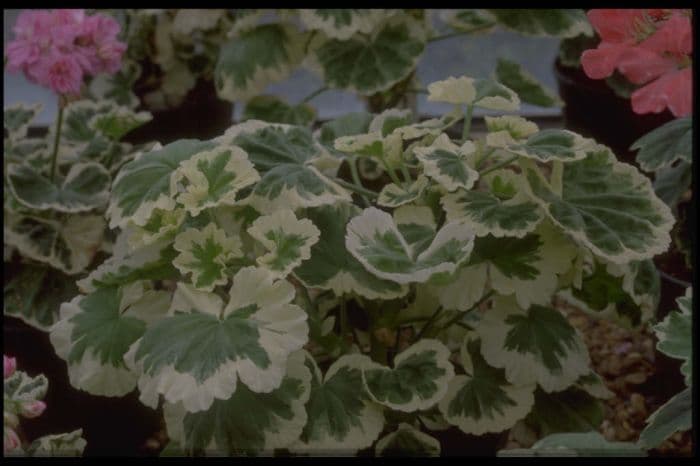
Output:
x=28 y=409
x=58 y=48
x=648 y=46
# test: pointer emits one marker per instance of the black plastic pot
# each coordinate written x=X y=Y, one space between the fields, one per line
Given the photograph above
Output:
x=592 y=109
x=202 y=115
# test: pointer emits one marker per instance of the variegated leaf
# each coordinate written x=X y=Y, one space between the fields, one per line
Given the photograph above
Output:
x=471 y=20
x=563 y=22
x=212 y=178
x=374 y=239
x=577 y=444
x=250 y=339
x=525 y=84
x=17 y=118
x=247 y=422
x=275 y=110
x=257 y=57
x=406 y=441
x=393 y=195
x=288 y=239
x=332 y=267
x=374 y=62
x=673 y=416
x=665 y=145
x=342 y=418
x=284 y=155
x=508 y=129
x=504 y=209
x=533 y=345
x=552 y=145
x=343 y=23
x=85 y=187
x=68 y=444
x=607 y=206
x=205 y=253
x=95 y=332
x=484 y=93
x=483 y=400
x=554 y=413
x=447 y=163
x=418 y=380
x=675 y=334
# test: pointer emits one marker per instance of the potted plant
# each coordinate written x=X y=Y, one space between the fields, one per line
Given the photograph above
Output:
x=268 y=305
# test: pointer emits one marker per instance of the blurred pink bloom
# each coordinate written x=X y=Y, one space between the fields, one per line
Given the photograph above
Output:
x=9 y=366
x=58 y=48
x=11 y=441
x=646 y=46
x=32 y=409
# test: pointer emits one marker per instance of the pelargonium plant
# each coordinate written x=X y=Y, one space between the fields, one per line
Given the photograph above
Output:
x=373 y=52
x=22 y=398
x=56 y=186
x=270 y=305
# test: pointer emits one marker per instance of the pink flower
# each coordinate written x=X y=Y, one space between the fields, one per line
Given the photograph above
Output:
x=650 y=47
x=32 y=409
x=58 y=48
x=9 y=366
x=11 y=441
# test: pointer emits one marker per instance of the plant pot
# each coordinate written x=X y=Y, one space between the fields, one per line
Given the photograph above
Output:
x=202 y=115
x=592 y=109
x=111 y=426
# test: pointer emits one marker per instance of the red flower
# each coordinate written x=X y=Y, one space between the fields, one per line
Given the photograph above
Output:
x=650 y=47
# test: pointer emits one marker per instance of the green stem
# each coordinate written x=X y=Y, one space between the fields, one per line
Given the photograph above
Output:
x=391 y=173
x=499 y=165
x=467 y=122
x=356 y=177
x=461 y=315
x=357 y=189
x=406 y=174
x=313 y=94
x=428 y=324
x=57 y=138
x=484 y=157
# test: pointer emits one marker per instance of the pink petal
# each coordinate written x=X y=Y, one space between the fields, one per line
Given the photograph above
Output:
x=615 y=24
x=674 y=36
x=9 y=366
x=601 y=62
x=673 y=90
x=641 y=65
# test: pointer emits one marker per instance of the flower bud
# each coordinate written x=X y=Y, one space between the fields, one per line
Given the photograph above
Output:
x=32 y=409
x=9 y=366
x=10 y=419
x=10 y=441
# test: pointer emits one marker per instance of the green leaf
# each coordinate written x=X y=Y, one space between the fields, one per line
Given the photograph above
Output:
x=370 y=63
x=346 y=125
x=577 y=444
x=666 y=144
x=571 y=410
x=256 y=57
x=34 y=294
x=118 y=86
x=68 y=444
x=206 y=253
x=247 y=422
x=250 y=339
x=95 y=332
x=672 y=183
x=608 y=207
x=393 y=195
x=675 y=415
x=533 y=345
x=407 y=441
x=483 y=400
x=675 y=334
x=418 y=380
x=343 y=23
x=288 y=239
x=447 y=163
x=561 y=22
x=143 y=185
x=342 y=418
x=17 y=119
x=503 y=210
x=86 y=120
x=275 y=110
x=68 y=245
x=212 y=178
x=332 y=267
x=374 y=239
x=283 y=156
x=525 y=84
x=86 y=187
x=552 y=145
